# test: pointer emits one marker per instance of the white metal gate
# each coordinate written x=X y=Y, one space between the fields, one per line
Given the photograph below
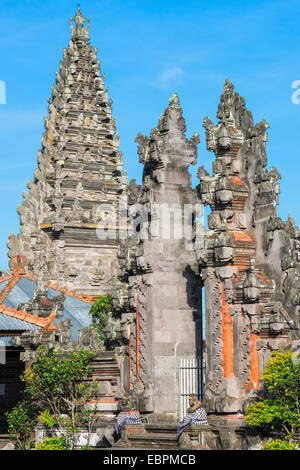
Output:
x=190 y=378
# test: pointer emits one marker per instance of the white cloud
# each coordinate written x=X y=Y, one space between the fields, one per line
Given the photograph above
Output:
x=171 y=74
x=170 y=77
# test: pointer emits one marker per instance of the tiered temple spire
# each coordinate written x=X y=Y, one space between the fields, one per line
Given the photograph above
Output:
x=79 y=168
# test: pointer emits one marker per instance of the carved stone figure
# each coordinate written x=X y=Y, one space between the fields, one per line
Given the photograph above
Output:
x=196 y=415
x=128 y=415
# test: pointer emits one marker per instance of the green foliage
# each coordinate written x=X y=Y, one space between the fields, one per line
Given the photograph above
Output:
x=100 y=312
x=280 y=444
x=56 y=374
x=21 y=421
x=56 y=382
x=53 y=443
x=279 y=409
x=47 y=419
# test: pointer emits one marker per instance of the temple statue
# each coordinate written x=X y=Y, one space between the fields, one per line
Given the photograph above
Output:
x=128 y=414
x=196 y=415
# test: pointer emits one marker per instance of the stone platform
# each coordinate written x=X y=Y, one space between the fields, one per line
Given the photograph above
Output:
x=222 y=433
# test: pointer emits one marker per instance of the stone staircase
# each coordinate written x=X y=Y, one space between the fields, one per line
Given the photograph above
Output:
x=150 y=436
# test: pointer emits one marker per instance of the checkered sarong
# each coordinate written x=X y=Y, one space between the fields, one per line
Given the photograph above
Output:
x=127 y=417
x=196 y=418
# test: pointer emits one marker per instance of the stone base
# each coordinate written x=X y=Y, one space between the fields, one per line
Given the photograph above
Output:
x=127 y=432
x=222 y=433
x=159 y=417
x=134 y=429
x=200 y=438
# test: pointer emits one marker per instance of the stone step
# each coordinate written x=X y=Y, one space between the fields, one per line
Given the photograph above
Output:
x=4 y=440
x=161 y=428
x=153 y=440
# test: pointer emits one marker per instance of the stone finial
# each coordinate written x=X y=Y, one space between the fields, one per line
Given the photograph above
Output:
x=172 y=121
x=228 y=86
x=232 y=109
x=80 y=32
x=174 y=100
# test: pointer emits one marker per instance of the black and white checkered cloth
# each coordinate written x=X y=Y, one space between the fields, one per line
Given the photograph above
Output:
x=196 y=418
x=127 y=417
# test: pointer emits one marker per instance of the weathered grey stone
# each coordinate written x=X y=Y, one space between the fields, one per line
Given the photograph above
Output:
x=249 y=267
x=248 y=260
x=78 y=175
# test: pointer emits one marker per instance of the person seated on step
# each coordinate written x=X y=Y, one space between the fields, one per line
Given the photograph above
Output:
x=196 y=415
x=128 y=414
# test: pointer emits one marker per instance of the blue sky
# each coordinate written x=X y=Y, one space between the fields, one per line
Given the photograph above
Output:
x=148 y=50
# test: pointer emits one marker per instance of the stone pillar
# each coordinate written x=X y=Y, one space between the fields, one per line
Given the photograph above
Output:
x=161 y=266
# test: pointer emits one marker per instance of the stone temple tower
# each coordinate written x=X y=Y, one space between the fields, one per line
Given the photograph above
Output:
x=250 y=261
x=78 y=174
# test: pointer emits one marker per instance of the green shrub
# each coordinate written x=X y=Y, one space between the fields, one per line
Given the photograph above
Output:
x=100 y=312
x=279 y=408
x=279 y=444
x=53 y=443
x=21 y=421
x=56 y=381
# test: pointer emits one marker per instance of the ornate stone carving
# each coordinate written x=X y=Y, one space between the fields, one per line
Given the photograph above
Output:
x=79 y=167
x=251 y=255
